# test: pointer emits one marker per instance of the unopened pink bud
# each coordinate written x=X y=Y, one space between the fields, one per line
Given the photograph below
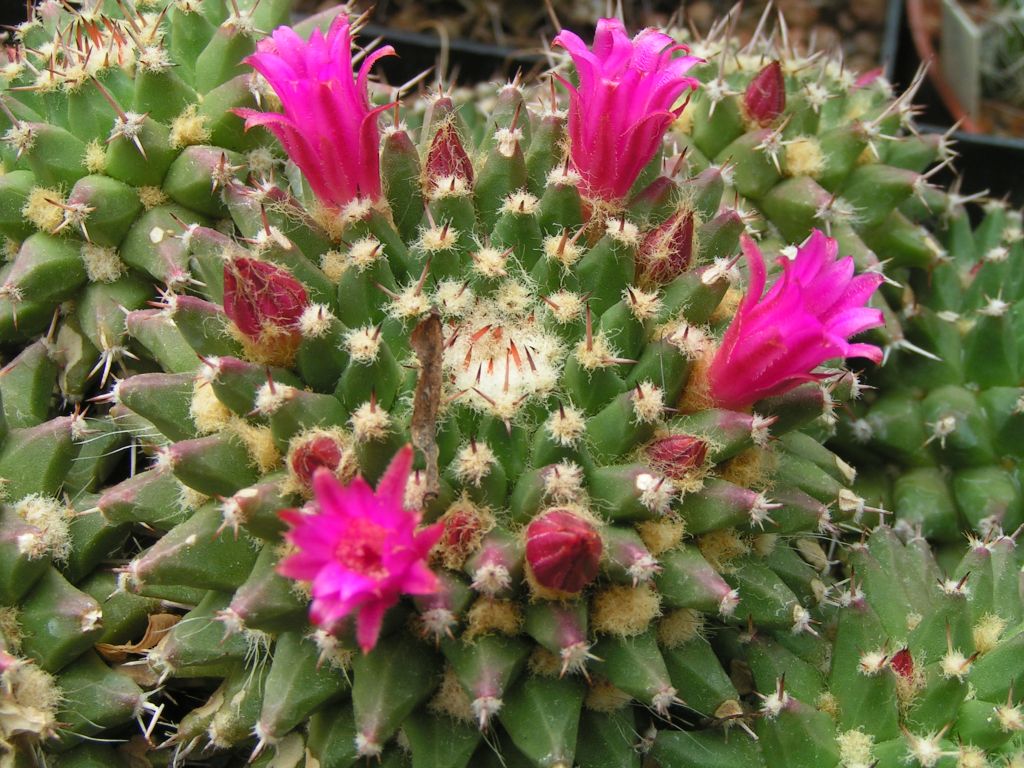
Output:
x=903 y=663
x=667 y=250
x=765 y=97
x=447 y=156
x=319 y=452
x=7 y=661
x=563 y=551
x=869 y=77
x=461 y=531
x=260 y=296
x=677 y=456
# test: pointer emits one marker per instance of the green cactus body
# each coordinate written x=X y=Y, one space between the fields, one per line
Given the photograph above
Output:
x=547 y=355
x=950 y=406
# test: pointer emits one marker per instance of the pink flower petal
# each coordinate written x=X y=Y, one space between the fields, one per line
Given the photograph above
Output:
x=619 y=112
x=326 y=126
x=371 y=616
x=807 y=316
x=391 y=487
x=361 y=550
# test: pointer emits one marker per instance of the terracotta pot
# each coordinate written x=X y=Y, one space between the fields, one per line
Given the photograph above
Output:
x=924 y=42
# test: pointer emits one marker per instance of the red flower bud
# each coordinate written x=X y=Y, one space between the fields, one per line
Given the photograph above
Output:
x=903 y=663
x=667 y=250
x=260 y=296
x=461 y=530
x=869 y=77
x=447 y=157
x=320 y=452
x=563 y=551
x=677 y=455
x=765 y=97
x=7 y=661
x=463 y=526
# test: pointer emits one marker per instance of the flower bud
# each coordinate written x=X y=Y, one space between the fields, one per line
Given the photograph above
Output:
x=447 y=157
x=868 y=78
x=319 y=452
x=667 y=250
x=261 y=297
x=563 y=551
x=7 y=661
x=903 y=663
x=462 y=530
x=463 y=526
x=765 y=97
x=677 y=456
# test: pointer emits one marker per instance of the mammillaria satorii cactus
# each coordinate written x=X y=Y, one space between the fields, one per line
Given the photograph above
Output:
x=596 y=527
x=914 y=668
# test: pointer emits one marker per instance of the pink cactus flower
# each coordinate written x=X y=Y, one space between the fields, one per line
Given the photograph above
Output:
x=328 y=128
x=360 y=549
x=624 y=103
x=775 y=341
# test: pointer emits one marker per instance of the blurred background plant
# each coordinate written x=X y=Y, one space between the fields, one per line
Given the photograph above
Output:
x=1002 y=62
x=856 y=28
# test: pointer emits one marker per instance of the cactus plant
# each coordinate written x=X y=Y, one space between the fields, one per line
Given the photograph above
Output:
x=117 y=132
x=915 y=669
x=946 y=423
x=533 y=439
x=810 y=146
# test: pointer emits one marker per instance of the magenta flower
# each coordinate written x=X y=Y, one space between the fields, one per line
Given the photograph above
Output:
x=775 y=341
x=360 y=549
x=623 y=104
x=328 y=128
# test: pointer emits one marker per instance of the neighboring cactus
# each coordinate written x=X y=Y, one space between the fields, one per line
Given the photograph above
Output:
x=911 y=668
x=947 y=418
x=540 y=322
x=1003 y=31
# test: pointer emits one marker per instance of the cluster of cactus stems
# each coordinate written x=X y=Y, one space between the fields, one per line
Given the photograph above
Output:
x=949 y=417
x=342 y=424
